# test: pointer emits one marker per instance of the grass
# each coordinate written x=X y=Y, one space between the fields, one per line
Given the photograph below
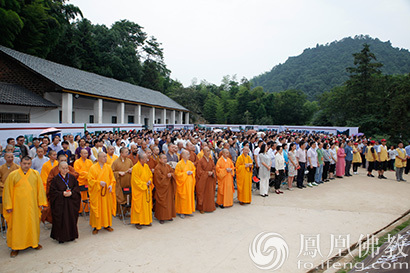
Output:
x=382 y=240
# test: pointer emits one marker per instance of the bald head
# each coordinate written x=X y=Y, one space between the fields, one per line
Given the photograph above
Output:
x=185 y=154
x=102 y=157
x=52 y=155
x=155 y=150
x=63 y=168
x=9 y=157
x=163 y=159
x=206 y=151
x=142 y=157
x=62 y=165
x=225 y=153
x=110 y=150
x=246 y=150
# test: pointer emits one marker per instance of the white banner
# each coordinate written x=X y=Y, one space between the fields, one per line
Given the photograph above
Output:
x=30 y=130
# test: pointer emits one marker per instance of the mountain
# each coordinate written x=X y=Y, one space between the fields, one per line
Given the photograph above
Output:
x=319 y=69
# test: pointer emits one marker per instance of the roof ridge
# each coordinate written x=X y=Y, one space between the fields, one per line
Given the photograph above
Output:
x=75 y=79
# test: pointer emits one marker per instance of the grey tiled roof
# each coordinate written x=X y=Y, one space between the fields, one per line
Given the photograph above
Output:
x=18 y=95
x=78 y=80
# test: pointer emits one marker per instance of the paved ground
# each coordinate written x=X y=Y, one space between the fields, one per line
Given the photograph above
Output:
x=219 y=241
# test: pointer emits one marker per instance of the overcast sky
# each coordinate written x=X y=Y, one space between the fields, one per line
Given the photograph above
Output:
x=208 y=39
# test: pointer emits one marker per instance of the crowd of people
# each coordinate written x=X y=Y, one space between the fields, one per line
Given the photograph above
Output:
x=146 y=174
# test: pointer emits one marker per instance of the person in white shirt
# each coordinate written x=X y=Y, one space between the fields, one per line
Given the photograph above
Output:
x=333 y=160
x=312 y=164
x=392 y=157
x=301 y=157
x=264 y=170
x=9 y=149
x=256 y=153
x=117 y=146
x=98 y=147
x=55 y=145
x=72 y=145
x=272 y=152
x=280 y=169
x=39 y=160
x=33 y=151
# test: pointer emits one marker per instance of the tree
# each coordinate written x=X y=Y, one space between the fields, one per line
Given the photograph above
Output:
x=359 y=86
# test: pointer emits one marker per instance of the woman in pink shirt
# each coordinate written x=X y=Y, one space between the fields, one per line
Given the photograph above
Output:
x=340 y=164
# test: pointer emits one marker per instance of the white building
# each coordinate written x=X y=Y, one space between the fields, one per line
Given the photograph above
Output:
x=34 y=90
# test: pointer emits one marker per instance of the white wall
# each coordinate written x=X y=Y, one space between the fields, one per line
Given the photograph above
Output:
x=37 y=114
x=109 y=110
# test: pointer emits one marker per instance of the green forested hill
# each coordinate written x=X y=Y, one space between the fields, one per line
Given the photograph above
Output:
x=321 y=68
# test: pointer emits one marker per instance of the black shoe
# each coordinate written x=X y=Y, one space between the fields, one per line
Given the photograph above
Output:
x=370 y=175
x=303 y=186
x=383 y=177
x=299 y=187
x=379 y=177
x=221 y=206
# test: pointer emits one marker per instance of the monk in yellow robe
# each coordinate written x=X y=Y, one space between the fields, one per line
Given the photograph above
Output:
x=185 y=180
x=82 y=166
x=225 y=172
x=141 y=183
x=45 y=170
x=5 y=170
x=244 y=166
x=101 y=188
x=23 y=197
x=111 y=157
x=205 y=183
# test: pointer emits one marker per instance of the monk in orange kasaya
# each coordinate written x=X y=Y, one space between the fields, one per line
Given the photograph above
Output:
x=185 y=180
x=225 y=172
x=82 y=166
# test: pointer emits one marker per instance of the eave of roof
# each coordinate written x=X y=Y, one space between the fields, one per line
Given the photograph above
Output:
x=14 y=94
x=77 y=81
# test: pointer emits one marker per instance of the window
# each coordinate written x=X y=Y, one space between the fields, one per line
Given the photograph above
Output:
x=73 y=117
x=14 y=118
x=60 y=116
x=114 y=119
x=130 y=119
x=159 y=121
x=91 y=119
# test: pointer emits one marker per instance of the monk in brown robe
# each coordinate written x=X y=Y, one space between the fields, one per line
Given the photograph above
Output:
x=226 y=146
x=46 y=212
x=65 y=200
x=152 y=163
x=133 y=154
x=205 y=183
x=122 y=169
x=192 y=155
x=165 y=191
x=5 y=170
